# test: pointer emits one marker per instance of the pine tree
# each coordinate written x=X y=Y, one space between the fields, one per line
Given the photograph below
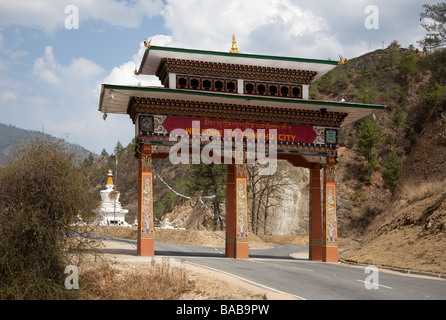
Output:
x=104 y=153
x=436 y=37
x=392 y=171
x=370 y=137
x=118 y=147
x=209 y=181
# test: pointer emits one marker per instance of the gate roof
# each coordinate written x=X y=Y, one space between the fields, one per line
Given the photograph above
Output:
x=154 y=54
x=116 y=99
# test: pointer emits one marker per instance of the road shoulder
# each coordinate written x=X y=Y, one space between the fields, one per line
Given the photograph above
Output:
x=209 y=284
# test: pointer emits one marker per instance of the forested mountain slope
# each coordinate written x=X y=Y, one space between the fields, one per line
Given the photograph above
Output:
x=398 y=195
x=11 y=137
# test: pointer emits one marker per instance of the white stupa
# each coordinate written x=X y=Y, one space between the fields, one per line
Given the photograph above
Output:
x=110 y=211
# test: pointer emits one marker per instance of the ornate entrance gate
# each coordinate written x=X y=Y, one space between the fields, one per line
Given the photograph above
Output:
x=236 y=108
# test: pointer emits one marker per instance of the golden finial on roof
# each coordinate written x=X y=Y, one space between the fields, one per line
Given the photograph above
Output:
x=342 y=60
x=234 y=48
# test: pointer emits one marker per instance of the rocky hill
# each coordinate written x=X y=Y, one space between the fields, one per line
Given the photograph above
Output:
x=403 y=225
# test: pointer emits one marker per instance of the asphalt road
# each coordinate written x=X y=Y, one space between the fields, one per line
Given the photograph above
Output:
x=311 y=280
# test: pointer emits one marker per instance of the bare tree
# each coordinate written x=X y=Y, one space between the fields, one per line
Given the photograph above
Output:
x=274 y=194
x=265 y=192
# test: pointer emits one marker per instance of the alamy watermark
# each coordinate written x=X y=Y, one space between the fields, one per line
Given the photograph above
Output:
x=212 y=152
x=372 y=280
x=72 y=280
x=72 y=20
x=372 y=20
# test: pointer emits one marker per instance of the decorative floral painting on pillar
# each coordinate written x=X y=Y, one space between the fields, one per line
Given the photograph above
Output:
x=147 y=204
x=331 y=235
x=242 y=211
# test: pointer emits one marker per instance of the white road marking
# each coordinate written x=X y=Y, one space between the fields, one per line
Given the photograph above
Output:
x=246 y=280
x=302 y=269
x=374 y=284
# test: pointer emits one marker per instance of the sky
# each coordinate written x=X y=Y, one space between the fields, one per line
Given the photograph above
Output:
x=55 y=54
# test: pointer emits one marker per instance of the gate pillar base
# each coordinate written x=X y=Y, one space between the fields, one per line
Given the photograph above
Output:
x=315 y=250
x=145 y=247
x=330 y=252
x=236 y=249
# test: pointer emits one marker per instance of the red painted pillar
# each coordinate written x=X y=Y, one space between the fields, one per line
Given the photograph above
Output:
x=230 y=211
x=146 y=234
x=330 y=244
x=237 y=245
x=316 y=228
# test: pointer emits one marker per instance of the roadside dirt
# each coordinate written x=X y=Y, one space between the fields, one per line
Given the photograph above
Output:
x=207 y=284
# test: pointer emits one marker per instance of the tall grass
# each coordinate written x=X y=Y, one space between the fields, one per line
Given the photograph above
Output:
x=153 y=281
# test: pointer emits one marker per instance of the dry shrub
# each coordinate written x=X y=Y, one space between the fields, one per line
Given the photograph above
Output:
x=415 y=190
x=41 y=193
x=154 y=281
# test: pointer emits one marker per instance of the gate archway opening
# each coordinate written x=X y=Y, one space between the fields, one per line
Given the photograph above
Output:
x=229 y=106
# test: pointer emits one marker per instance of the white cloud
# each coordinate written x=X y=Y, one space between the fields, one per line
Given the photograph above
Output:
x=261 y=26
x=50 y=14
x=210 y=24
x=82 y=68
x=50 y=71
x=10 y=55
x=306 y=28
x=125 y=73
x=127 y=14
x=44 y=14
x=45 y=68
x=64 y=99
x=7 y=96
x=157 y=40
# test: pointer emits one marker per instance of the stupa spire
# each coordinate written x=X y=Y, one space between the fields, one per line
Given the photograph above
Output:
x=110 y=178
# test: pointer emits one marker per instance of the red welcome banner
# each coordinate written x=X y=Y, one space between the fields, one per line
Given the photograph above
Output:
x=237 y=129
